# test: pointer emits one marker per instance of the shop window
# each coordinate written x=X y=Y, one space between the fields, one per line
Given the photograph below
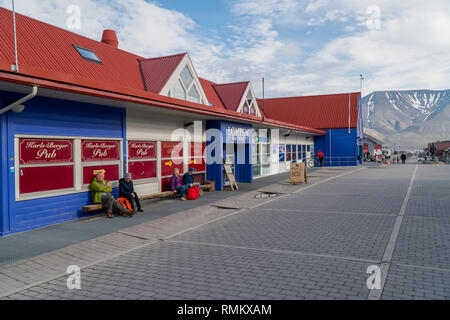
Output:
x=142 y=159
x=256 y=161
x=265 y=158
x=45 y=165
x=299 y=153
x=171 y=158
x=282 y=151
x=288 y=152
x=197 y=160
x=100 y=155
x=294 y=153
x=111 y=172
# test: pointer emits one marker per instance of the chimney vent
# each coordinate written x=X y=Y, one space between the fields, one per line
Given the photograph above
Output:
x=110 y=38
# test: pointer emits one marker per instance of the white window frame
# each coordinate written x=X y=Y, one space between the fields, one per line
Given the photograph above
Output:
x=157 y=158
x=167 y=90
x=183 y=158
x=248 y=90
x=77 y=163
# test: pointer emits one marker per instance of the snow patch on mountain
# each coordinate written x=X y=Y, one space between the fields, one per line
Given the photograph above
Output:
x=425 y=113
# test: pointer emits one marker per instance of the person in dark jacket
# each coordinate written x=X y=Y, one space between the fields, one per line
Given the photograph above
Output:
x=126 y=190
x=188 y=179
x=403 y=156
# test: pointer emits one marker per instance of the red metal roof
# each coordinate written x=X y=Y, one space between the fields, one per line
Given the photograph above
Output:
x=48 y=59
x=157 y=71
x=440 y=145
x=320 y=112
x=211 y=94
x=231 y=94
x=47 y=51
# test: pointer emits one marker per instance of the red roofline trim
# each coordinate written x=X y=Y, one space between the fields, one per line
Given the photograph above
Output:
x=152 y=99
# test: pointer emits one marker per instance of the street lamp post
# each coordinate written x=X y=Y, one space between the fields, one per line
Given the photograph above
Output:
x=361 y=123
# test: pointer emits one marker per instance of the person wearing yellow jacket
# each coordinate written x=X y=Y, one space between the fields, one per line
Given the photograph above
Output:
x=101 y=193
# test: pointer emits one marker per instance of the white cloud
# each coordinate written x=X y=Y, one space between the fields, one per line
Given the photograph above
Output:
x=313 y=5
x=142 y=27
x=409 y=51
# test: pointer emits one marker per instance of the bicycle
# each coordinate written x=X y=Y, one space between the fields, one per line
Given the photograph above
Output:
x=311 y=163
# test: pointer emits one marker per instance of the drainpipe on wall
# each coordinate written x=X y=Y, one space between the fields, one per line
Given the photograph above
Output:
x=16 y=106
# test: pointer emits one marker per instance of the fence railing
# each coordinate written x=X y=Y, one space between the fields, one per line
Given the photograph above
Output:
x=336 y=161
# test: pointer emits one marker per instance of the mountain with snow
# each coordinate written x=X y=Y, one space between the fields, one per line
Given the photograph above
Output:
x=417 y=116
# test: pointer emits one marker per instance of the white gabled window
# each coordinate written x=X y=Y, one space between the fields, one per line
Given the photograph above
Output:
x=185 y=88
x=178 y=91
x=249 y=104
x=193 y=95
x=249 y=98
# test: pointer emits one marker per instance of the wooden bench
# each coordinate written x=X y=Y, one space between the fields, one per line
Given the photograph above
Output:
x=160 y=195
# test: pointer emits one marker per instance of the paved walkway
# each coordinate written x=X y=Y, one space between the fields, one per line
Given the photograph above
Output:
x=20 y=246
x=312 y=241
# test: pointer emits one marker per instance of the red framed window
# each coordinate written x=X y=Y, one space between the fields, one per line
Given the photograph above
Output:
x=171 y=150
x=197 y=160
x=142 y=159
x=171 y=158
x=45 y=165
x=168 y=165
x=111 y=172
x=96 y=150
x=100 y=155
x=288 y=152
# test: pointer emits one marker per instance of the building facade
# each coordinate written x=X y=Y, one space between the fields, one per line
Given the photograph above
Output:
x=76 y=106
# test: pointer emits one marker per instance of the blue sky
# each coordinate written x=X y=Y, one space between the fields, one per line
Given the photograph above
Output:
x=301 y=47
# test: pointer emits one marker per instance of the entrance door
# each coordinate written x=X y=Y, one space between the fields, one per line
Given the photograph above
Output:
x=230 y=155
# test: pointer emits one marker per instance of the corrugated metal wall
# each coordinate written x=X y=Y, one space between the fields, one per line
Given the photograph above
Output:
x=338 y=146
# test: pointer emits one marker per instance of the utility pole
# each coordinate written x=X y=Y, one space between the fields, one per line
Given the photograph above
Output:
x=263 y=99
x=361 y=122
x=360 y=99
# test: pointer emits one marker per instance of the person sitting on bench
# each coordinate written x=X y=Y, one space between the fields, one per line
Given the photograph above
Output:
x=188 y=179
x=126 y=190
x=176 y=184
x=101 y=193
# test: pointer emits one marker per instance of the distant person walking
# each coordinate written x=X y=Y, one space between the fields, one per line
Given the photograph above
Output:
x=320 y=156
x=432 y=151
x=403 y=156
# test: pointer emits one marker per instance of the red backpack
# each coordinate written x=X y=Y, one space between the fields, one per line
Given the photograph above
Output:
x=193 y=193
x=127 y=205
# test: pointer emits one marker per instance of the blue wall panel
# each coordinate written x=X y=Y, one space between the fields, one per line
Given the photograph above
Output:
x=46 y=116
x=243 y=172
x=4 y=216
x=338 y=146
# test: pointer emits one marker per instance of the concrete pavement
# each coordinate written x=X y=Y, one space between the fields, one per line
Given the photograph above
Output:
x=312 y=241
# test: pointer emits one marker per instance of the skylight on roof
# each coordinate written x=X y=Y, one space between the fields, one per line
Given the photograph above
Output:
x=87 y=54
